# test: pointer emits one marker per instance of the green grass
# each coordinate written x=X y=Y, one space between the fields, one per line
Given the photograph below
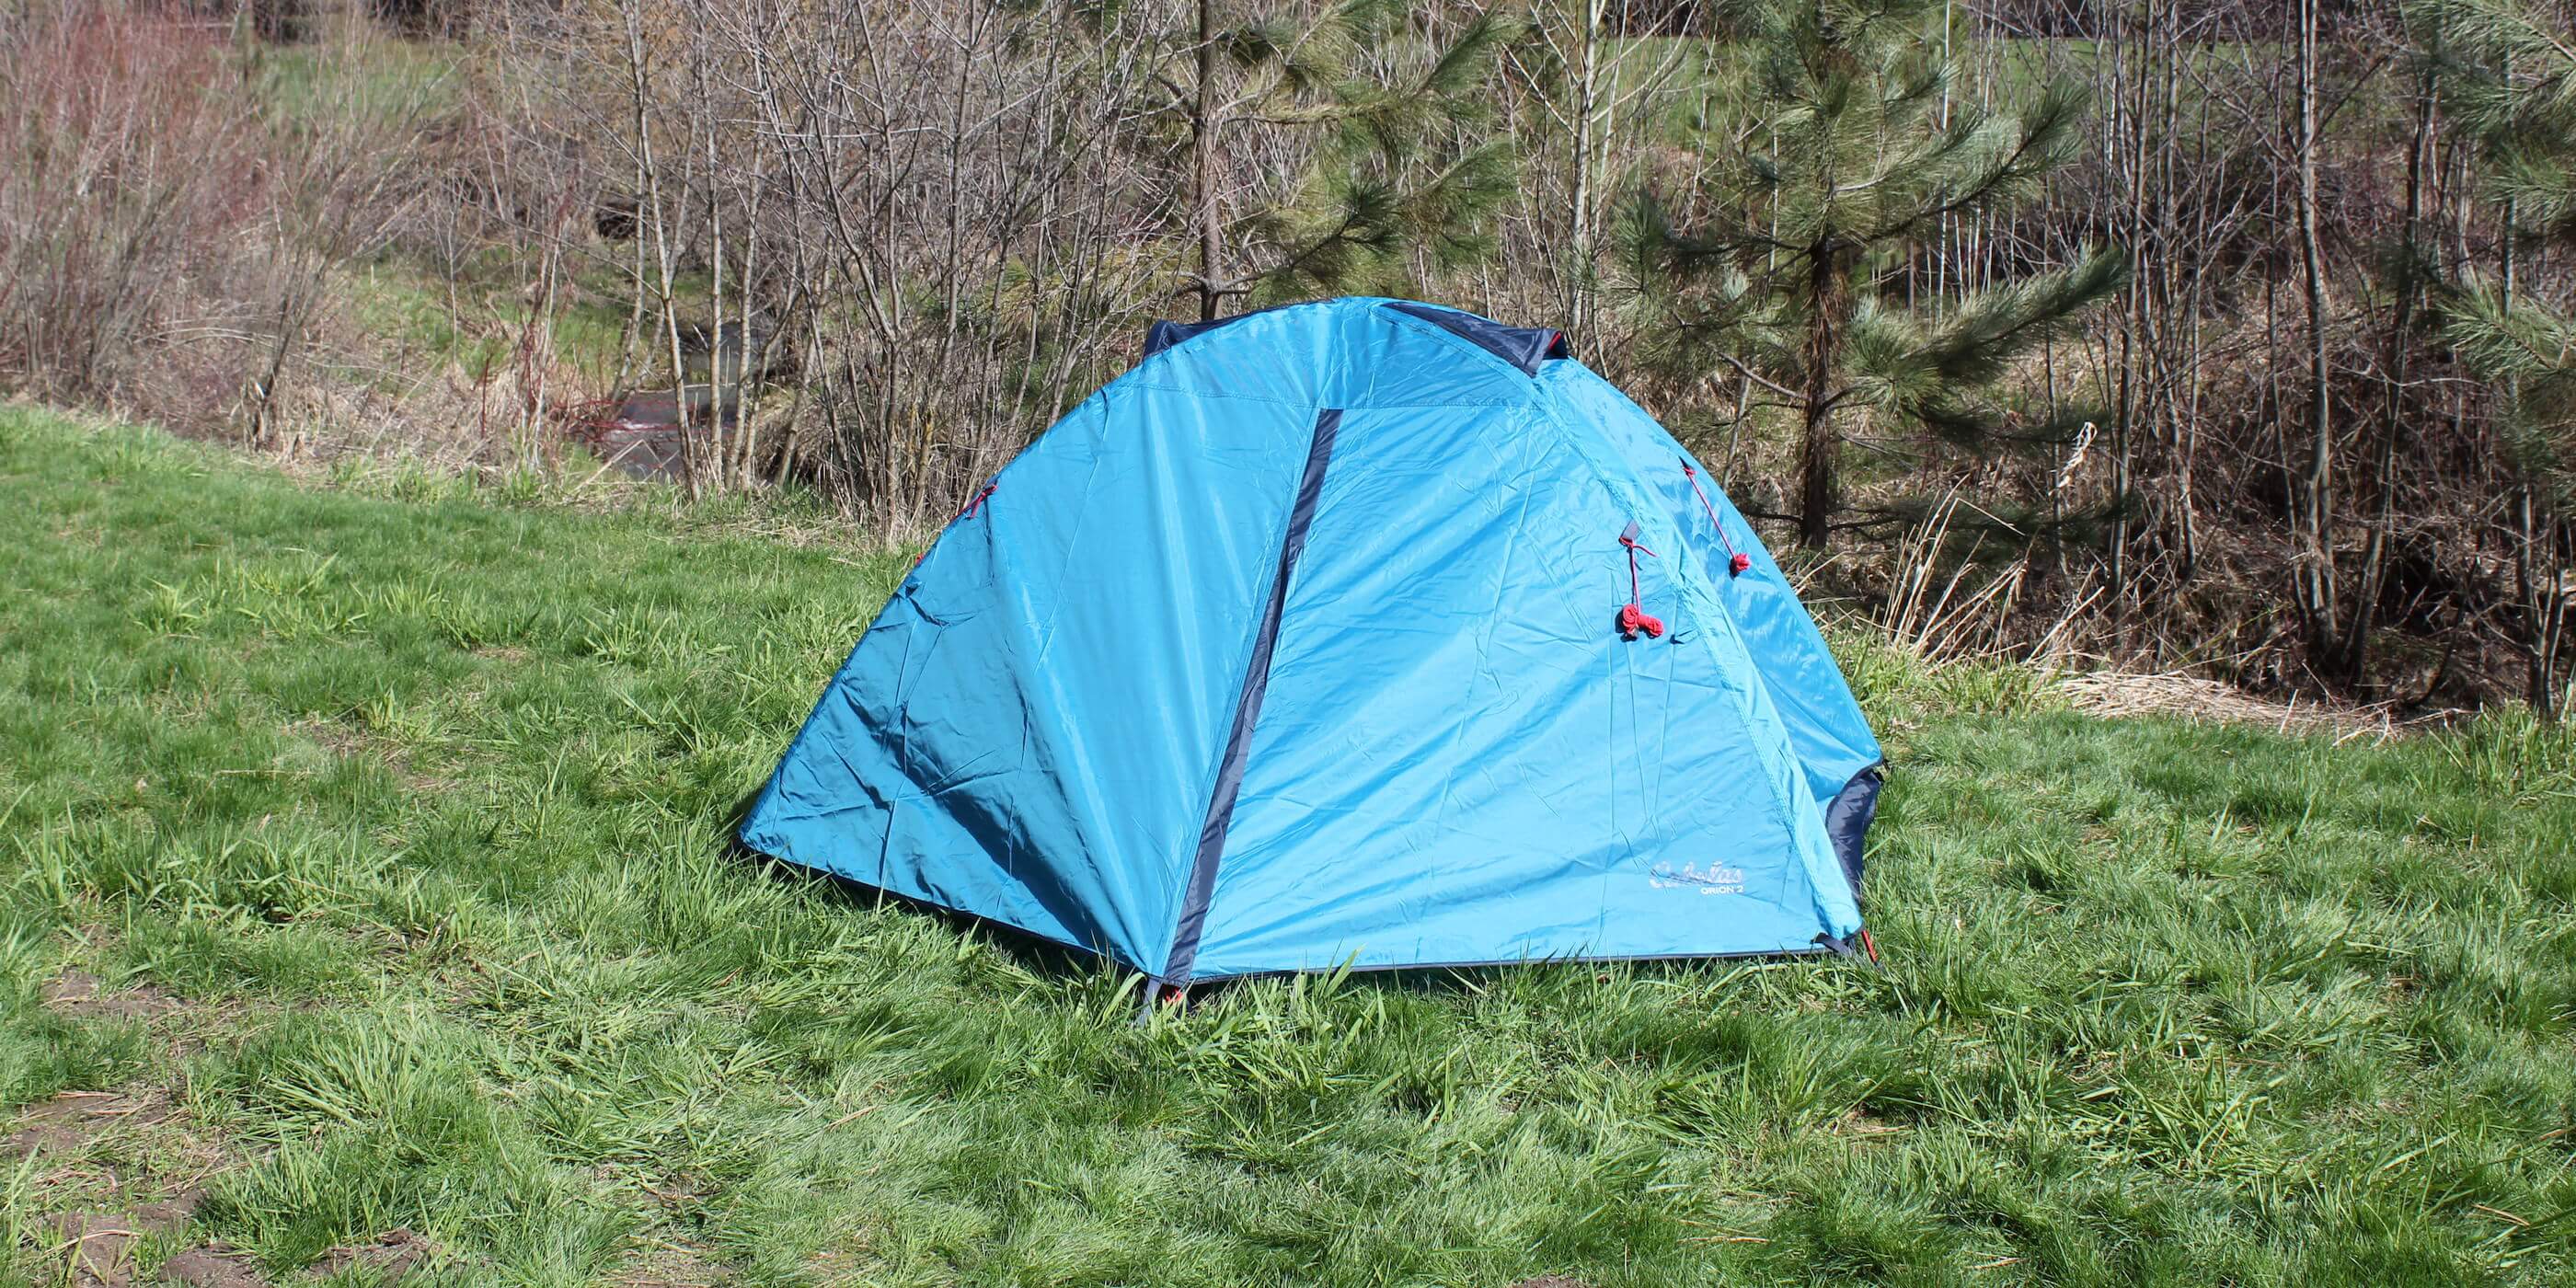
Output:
x=474 y=320
x=379 y=77
x=421 y=800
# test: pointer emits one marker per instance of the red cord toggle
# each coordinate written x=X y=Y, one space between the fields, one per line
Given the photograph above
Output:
x=1738 y=561
x=1633 y=617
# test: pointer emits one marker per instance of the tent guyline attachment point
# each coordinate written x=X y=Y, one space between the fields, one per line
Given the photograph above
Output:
x=1736 y=560
x=1174 y=998
x=974 y=504
x=1633 y=618
x=1154 y=706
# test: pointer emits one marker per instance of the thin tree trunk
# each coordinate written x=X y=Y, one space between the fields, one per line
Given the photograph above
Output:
x=2134 y=324
x=2535 y=654
x=1203 y=140
x=716 y=461
x=2354 y=656
x=1828 y=299
x=1579 y=250
x=2315 y=505
x=650 y=211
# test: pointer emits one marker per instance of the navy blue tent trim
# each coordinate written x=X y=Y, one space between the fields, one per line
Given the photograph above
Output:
x=1524 y=347
x=1163 y=335
x=1847 y=820
x=1247 y=707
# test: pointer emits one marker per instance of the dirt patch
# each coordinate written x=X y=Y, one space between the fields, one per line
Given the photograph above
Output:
x=671 y=1265
x=75 y=1118
x=334 y=737
x=346 y=743
x=100 y=1245
x=1860 y=1124
x=81 y=995
x=59 y=1125
x=395 y=1253
x=212 y=1266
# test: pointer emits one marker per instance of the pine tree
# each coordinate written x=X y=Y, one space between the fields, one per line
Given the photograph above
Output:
x=2507 y=76
x=1320 y=149
x=1854 y=151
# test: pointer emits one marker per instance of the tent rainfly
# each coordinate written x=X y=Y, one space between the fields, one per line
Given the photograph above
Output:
x=1357 y=632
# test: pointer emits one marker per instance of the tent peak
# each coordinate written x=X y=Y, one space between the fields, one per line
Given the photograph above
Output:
x=1524 y=347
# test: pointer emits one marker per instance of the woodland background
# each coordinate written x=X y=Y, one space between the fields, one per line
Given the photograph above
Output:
x=2224 y=336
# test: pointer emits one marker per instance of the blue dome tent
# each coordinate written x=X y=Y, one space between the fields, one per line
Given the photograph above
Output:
x=1361 y=631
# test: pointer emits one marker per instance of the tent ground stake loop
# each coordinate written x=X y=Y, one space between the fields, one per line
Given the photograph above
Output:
x=1159 y=994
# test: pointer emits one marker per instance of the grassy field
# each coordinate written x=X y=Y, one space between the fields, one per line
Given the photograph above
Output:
x=363 y=856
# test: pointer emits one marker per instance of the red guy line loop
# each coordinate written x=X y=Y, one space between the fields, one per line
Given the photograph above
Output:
x=1736 y=561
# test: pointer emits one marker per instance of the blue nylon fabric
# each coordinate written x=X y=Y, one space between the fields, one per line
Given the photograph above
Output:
x=1164 y=334
x=1825 y=724
x=1219 y=821
x=1025 y=733
x=1460 y=760
x=1455 y=758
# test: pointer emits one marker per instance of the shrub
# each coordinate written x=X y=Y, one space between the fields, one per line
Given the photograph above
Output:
x=126 y=172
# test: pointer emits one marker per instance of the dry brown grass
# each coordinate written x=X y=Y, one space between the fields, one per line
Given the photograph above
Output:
x=2114 y=693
